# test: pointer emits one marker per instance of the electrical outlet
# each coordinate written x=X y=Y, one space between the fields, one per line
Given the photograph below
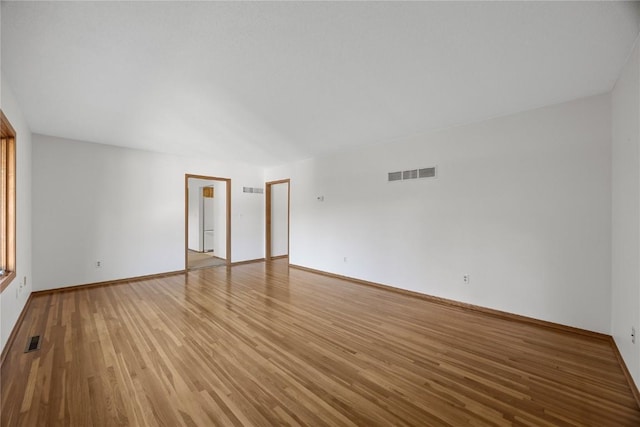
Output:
x=98 y=264
x=345 y=259
x=466 y=279
x=633 y=335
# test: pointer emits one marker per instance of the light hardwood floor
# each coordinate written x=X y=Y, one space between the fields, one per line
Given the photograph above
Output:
x=260 y=344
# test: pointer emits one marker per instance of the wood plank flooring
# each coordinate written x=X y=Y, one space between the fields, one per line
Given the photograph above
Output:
x=261 y=345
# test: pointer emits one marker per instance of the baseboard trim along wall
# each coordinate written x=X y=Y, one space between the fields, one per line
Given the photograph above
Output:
x=14 y=331
x=16 y=327
x=625 y=371
x=111 y=282
x=497 y=313
x=450 y=302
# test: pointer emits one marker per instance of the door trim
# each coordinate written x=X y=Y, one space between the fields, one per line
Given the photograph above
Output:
x=268 y=186
x=186 y=214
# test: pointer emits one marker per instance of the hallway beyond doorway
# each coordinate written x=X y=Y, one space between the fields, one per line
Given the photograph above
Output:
x=197 y=260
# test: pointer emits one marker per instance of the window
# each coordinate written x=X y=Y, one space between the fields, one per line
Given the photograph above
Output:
x=8 y=203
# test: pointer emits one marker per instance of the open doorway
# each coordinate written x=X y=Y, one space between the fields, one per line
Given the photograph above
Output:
x=277 y=219
x=207 y=221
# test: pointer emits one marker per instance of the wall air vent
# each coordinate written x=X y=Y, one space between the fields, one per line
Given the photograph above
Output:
x=427 y=172
x=395 y=176
x=412 y=174
x=252 y=190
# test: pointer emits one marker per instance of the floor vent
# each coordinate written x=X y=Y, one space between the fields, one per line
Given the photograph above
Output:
x=33 y=345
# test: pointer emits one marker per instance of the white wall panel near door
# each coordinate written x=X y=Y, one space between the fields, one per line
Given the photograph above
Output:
x=136 y=226
x=220 y=219
x=194 y=218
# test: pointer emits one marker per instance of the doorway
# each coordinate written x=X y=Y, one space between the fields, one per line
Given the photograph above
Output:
x=207 y=221
x=277 y=219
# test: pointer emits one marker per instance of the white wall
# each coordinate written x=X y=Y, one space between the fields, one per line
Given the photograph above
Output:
x=126 y=208
x=279 y=219
x=14 y=297
x=625 y=106
x=521 y=203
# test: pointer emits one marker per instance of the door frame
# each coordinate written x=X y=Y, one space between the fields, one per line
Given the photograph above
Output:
x=186 y=214
x=268 y=186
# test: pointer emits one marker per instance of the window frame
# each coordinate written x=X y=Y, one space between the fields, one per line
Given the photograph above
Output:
x=7 y=202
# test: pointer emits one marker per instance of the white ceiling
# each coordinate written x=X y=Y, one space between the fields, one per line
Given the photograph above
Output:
x=268 y=83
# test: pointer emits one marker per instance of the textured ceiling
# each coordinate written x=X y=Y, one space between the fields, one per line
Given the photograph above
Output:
x=267 y=83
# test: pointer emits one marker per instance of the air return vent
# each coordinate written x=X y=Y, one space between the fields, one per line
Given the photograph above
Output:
x=427 y=172
x=252 y=190
x=412 y=174
x=395 y=176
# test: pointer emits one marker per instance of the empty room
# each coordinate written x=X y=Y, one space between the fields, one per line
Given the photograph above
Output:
x=320 y=213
